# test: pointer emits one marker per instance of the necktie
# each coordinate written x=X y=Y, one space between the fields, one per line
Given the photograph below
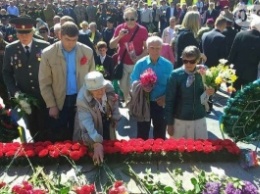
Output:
x=27 y=51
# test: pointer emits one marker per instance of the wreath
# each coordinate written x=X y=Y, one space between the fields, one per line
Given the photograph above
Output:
x=242 y=114
x=239 y=15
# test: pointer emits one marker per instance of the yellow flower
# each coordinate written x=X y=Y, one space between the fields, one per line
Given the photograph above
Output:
x=218 y=80
x=233 y=78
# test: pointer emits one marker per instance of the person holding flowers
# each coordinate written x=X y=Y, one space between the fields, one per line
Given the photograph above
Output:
x=159 y=70
x=20 y=74
x=184 y=111
x=97 y=113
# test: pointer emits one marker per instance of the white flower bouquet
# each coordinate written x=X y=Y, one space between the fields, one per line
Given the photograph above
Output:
x=23 y=103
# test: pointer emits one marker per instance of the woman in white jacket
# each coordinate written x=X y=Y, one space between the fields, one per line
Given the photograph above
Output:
x=97 y=113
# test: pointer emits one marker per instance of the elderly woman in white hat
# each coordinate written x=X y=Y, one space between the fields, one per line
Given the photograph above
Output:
x=97 y=113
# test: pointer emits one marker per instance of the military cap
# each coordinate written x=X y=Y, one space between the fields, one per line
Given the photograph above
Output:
x=23 y=24
x=110 y=19
x=8 y=16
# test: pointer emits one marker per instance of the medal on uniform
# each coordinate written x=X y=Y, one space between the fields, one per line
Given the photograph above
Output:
x=15 y=56
x=16 y=67
x=12 y=61
x=38 y=55
x=19 y=63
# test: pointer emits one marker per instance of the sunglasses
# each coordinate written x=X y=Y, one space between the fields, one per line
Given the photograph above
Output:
x=129 y=19
x=189 y=61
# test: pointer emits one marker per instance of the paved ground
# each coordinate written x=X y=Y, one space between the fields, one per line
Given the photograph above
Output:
x=127 y=130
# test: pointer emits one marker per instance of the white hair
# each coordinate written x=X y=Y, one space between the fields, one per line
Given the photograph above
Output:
x=153 y=39
x=57 y=27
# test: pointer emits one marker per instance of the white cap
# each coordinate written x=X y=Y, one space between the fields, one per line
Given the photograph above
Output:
x=255 y=23
x=94 y=80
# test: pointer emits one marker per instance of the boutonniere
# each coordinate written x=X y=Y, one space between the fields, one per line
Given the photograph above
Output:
x=38 y=55
x=83 y=60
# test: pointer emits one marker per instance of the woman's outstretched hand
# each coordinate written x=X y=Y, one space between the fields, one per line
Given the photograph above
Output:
x=98 y=154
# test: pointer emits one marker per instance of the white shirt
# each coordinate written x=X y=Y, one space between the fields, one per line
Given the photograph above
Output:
x=29 y=45
x=167 y=35
x=172 y=11
x=102 y=59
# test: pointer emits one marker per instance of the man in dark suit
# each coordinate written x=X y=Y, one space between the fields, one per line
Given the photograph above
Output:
x=244 y=54
x=229 y=32
x=108 y=33
x=20 y=72
x=171 y=12
x=214 y=43
x=214 y=47
x=104 y=60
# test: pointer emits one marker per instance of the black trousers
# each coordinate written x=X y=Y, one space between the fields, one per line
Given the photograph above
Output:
x=36 y=123
x=61 y=129
x=159 y=124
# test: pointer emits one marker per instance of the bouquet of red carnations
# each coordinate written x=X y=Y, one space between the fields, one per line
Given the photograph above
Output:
x=148 y=78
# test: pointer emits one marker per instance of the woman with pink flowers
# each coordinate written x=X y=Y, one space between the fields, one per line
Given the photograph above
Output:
x=150 y=75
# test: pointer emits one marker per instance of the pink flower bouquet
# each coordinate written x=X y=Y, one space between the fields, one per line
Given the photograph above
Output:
x=148 y=78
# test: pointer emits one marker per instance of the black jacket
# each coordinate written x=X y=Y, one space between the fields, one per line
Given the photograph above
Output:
x=20 y=73
x=245 y=55
x=214 y=47
x=183 y=39
x=108 y=66
x=230 y=34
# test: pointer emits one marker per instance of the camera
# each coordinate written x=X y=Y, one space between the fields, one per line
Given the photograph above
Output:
x=125 y=31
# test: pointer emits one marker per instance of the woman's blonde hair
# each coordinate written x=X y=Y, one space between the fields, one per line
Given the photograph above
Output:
x=191 y=21
x=83 y=23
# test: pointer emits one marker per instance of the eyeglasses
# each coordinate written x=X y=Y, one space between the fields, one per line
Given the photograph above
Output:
x=129 y=19
x=185 y=61
x=155 y=47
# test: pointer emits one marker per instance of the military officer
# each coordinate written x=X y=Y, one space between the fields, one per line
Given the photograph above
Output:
x=6 y=28
x=3 y=89
x=20 y=71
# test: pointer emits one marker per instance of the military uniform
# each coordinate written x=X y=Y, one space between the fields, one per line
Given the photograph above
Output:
x=20 y=73
x=3 y=89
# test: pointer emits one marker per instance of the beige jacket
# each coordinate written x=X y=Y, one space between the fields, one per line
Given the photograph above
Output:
x=138 y=105
x=52 y=72
x=88 y=121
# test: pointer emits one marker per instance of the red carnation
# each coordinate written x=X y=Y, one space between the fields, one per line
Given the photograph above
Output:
x=83 y=60
x=30 y=153
x=86 y=189
x=2 y=184
x=54 y=153
x=43 y=153
x=75 y=146
x=75 y=155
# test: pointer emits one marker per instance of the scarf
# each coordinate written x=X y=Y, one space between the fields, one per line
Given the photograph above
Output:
x=102 y=106
x=191 y=77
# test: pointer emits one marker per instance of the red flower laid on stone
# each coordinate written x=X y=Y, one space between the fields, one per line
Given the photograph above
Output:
x=83 y=60
x=2 y=184
x=86 y=189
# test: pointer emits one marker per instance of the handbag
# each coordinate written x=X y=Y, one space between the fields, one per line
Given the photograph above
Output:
x=118 y=69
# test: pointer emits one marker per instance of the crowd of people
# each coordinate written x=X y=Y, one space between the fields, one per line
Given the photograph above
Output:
x=51 y=51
